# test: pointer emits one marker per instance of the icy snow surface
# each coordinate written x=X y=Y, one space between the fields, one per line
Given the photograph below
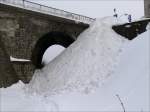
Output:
x=14 y=99
x=84 y=65
x=19 y=60
x=131 y=81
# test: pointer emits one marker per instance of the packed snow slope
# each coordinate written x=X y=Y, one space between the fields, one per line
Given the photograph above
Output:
x=84 y=65
x=129 y=82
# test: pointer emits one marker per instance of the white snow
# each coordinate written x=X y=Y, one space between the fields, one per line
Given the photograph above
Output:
x=84 y=65
x=130 y=80
x=18 y=59
x=15 y=99
x=148 y=26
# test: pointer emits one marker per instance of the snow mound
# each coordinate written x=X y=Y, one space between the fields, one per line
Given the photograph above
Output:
x=14 y=99
x=148 y=26
x=84 y=65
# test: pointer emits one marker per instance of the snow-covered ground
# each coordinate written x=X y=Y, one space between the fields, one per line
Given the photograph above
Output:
x=126 y=88
x=24 y=4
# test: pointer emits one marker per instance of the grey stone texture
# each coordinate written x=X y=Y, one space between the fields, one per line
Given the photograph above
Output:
x=147 y=8
x=8 y=75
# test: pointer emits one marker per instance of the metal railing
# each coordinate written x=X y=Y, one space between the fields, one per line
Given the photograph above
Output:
x=47 y=10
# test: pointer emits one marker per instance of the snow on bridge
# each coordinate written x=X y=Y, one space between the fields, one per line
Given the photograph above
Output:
x=47 y=10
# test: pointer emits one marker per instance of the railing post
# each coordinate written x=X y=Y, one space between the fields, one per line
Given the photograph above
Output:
x=40 y=7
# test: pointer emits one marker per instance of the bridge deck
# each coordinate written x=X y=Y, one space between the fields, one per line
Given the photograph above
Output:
x=47 y=10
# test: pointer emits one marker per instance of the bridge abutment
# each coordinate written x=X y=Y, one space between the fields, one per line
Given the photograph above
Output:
x=21 y=29
x=147 y=8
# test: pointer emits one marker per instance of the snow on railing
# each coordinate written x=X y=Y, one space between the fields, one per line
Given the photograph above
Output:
x=47 y=10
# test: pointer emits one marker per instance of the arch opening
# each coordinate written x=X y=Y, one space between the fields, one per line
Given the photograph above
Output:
x=51 y=53
x=52 y=38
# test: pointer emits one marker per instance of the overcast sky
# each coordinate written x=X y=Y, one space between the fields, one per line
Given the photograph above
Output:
x=98 y=8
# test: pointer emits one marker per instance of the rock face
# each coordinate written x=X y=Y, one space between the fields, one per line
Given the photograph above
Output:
x=20 y=30
x=7 y=73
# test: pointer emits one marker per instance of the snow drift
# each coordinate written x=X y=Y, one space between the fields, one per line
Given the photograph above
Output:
x=130 y=81
x=14 y=99
x=85 y=64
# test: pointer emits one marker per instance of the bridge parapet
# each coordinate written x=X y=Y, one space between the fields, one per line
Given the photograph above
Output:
x=47 y=10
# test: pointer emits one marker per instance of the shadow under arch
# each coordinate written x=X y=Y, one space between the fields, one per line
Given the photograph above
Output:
x=49 y=39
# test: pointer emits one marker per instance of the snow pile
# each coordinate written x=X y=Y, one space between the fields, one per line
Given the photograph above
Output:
x=130 y=82
x=83 y=66
x=15 y=99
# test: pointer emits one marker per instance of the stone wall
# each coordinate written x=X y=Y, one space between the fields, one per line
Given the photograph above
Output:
x=147 y=8
x=20 y=30
x=8 y=75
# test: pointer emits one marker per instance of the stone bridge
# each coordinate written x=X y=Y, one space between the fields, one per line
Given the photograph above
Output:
x=26 y=30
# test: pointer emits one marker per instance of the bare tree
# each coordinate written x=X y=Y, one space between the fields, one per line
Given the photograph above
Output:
x=122 y=105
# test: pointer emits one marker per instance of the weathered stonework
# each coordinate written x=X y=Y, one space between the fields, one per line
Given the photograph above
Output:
x=147 y=8
x=20 y=30
x=8 y=75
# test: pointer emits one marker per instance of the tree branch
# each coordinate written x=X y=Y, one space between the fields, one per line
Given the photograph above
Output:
x=121 y=102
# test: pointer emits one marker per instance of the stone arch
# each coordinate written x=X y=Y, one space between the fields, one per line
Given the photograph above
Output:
x=49 y=39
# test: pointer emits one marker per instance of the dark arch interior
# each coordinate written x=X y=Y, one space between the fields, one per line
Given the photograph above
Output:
x=46 y=41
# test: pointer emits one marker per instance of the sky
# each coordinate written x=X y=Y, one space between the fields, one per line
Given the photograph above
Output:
x=98 y=8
